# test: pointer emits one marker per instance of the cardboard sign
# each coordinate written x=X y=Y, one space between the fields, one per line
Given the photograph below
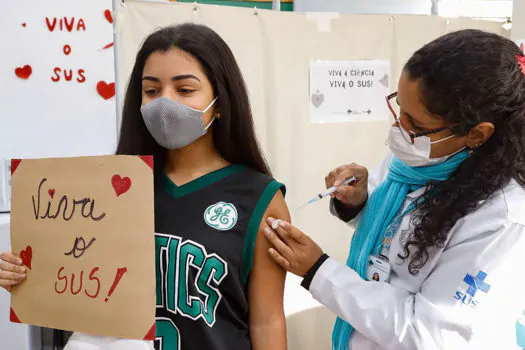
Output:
x=84 y=229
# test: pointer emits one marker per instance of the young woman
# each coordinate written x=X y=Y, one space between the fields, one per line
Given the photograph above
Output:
x=442 y=221
x=217 y=288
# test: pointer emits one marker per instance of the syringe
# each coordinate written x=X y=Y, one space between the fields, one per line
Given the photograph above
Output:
x=330 y=191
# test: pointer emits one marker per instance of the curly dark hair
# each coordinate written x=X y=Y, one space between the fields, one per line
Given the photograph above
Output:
x=468 y=77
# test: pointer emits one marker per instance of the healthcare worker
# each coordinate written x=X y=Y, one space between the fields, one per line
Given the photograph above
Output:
x=442 y=220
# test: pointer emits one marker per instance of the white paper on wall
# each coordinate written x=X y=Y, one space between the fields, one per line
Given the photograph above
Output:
x=57 y=91
x=349 y=91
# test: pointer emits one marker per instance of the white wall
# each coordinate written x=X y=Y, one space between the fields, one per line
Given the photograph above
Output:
x=475 y=8
x=446 y=8
x=518 y=20
x=414 y=7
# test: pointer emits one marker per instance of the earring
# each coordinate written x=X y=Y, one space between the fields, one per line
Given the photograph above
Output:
x=218 y=116
x=471 y=150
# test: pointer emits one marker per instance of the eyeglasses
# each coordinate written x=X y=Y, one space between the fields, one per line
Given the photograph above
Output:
x=408 y=134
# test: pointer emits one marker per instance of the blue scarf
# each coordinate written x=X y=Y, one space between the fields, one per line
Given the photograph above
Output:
x=382 y=206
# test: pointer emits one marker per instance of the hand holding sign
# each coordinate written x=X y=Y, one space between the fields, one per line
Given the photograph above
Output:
x=11 y=271
x=83 y=228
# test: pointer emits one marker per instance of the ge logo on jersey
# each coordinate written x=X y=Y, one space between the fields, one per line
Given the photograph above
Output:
x=221 y=216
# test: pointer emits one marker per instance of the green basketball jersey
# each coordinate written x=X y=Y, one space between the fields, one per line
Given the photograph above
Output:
x=205 y=239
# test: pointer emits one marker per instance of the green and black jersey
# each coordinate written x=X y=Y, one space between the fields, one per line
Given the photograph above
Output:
x=205 y=238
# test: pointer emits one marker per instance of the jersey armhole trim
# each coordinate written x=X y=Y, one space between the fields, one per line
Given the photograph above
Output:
x=253 y=226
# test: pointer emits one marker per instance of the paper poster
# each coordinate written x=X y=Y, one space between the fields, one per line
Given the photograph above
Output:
x=84 y=230
x=349 y=91
x=57 y=95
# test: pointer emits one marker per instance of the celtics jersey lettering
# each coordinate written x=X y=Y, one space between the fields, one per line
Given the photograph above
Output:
x=205 y=239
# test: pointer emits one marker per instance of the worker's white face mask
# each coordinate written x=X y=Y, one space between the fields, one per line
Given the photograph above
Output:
x=172 y=124
x=418 y=154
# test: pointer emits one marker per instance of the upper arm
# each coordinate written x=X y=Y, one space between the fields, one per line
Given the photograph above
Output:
x=266 y=283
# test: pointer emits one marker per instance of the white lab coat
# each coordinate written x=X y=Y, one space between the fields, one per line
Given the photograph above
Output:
x=423 y=312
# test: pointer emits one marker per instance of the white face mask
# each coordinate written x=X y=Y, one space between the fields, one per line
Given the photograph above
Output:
x=418 y=154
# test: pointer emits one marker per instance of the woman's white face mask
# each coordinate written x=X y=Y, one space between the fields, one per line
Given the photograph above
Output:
x=417 y=154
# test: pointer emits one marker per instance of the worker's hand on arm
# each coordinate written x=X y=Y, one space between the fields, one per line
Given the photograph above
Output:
x=12 y=272
x=355 y=194
x=292 y=249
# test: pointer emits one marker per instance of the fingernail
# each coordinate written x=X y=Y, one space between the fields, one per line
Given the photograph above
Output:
x=337 y=183
x=22 y=270
x=21 y=276
x=19 y=261
x=267 y=232
x=270 y=220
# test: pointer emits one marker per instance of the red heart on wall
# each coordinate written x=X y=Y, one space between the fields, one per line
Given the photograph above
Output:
x=106 y=91
x=24 y=72
x=108 y=16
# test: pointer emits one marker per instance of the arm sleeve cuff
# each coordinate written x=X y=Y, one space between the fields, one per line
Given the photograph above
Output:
x=344 y=213
x=307 y=280
x=323 y=275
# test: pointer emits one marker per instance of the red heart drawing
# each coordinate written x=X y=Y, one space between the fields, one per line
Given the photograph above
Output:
x=24 y=72
x=120 y=184
x=26 y=256
x=106 y=91
x=107 y=13
x=24 y=24
x=51 y=192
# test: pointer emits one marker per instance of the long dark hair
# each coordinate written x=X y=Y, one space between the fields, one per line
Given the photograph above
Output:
x=233 y=135
x=468 y=77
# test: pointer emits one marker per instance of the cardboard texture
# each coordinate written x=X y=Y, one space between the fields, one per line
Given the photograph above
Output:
x=84 y=228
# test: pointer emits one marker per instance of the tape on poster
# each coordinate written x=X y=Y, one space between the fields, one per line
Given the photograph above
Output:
x=323 y=20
